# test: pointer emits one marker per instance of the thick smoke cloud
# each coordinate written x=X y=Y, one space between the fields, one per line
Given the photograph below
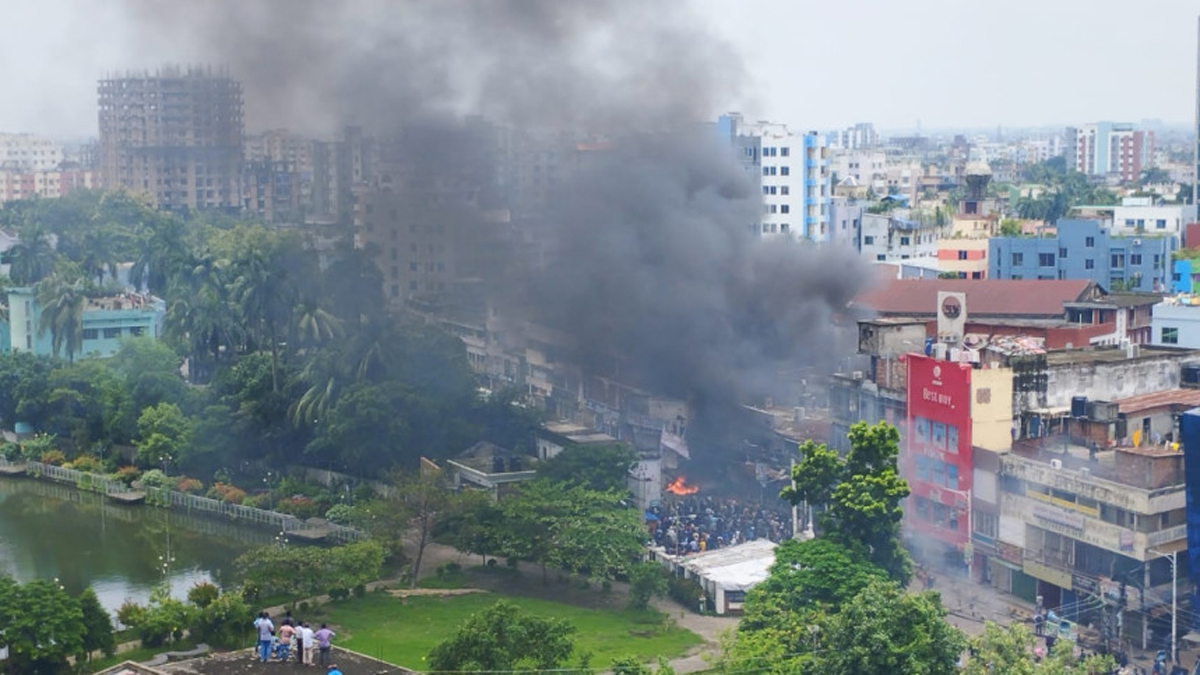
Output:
x=315 y=65
x=655 y=274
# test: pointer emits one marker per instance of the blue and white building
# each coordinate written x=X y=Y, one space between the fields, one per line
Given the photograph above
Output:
x=106 y=321
x=791 y=170
x=1086 y=249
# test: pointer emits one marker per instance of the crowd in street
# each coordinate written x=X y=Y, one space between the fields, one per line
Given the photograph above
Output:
x=296 y=637
x=694 y=524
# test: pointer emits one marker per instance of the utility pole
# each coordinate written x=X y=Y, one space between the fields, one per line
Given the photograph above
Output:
x=1174 y=597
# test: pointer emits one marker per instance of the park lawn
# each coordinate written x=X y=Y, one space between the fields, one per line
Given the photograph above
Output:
x=402 y=633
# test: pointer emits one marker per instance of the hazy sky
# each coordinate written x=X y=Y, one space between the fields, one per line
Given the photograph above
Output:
x=814 y=64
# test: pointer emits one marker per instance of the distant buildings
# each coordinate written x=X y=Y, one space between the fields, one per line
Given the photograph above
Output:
x=44 y=183
x=29 y=153
x=792 y=171
x=1084 y=249
x=174 y=136
x=859 y=136
x=1109 y=148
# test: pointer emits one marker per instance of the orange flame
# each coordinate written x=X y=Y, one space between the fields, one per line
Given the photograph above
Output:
x=679 y=486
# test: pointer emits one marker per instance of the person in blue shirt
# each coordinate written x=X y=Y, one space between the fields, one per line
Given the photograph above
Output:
x=333 y=670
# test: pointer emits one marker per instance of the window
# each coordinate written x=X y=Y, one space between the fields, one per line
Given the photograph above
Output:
x=976 y=275
x=137 y=331
x=1118 y=261
x=1018 y=259
x=1089 y=264
x=784 y=208
x=962 y=255
x=783 y=152
x=869 y=240
x=1045 y=260
x=1089 y=242
x=783 y=171
x=1062 y=252
x=783 y=189
x=1170 y=336
x=880 y=257
x=110 y=333
x=1135 y=259
x=904 y=241
x=90 y=333
x=1160 y=224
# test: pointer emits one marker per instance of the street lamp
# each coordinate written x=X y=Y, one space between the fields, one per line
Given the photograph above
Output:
x=1174 y=587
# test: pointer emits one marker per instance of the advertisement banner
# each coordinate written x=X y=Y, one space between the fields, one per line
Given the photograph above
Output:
x=936 y=452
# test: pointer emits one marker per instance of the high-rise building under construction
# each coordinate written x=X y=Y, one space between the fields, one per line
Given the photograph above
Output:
x=174 y=136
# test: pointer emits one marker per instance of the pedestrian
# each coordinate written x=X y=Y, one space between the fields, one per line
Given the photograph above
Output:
x=283 y=649
x=324 y=638
x=266 y=632
x=307 y=644
x=333 y=670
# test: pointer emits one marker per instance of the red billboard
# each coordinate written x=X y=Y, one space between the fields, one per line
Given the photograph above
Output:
x=936 y=455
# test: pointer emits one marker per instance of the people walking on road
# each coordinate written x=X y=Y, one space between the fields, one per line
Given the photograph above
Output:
x=266 y=633
x=324 y=638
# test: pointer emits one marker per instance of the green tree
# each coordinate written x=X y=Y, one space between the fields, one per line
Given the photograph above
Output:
x=503 y=637
x=646 y=580
x=908 y=634
x=604 y=467
x=573 y=528
x=62 y=302
x=420 y=500
x=472 y=523
x=97 y=627
x=1010 y=227
x=163 y=434
x=1009 y=649
x=305 y=571
x=861 y=494
x=31 y=259
x=40 y=624
x=1154 y=175
x=817 y=575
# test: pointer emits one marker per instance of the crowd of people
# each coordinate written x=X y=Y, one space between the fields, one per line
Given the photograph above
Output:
x=694 y=524
x=292 y=636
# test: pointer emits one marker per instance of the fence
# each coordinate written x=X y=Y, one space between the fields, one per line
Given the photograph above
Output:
x=163 y=497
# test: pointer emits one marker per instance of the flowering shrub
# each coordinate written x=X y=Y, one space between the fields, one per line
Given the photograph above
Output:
x=227 y=493
x=87 y=463
x=127 y=474
x=189 y=485
x=53 y=458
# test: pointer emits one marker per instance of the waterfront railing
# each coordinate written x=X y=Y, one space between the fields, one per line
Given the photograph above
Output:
x=284 y=523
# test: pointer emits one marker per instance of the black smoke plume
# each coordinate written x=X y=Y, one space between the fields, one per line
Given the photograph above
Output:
x=653 y=264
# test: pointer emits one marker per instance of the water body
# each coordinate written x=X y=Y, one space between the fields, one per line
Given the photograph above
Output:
x=51 y=531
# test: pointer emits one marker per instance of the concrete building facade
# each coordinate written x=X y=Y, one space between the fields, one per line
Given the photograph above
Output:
x=1084 y=249
x=1109 y=148
x=106 y=321
x=29 y=153
x=174 y=136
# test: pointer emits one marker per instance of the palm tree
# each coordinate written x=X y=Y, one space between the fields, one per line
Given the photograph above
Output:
x=62 y=303
x=205 y=322
x=266 y=296
x=99 y=253
x=31 y=259
x=314 y=326
x=160 y=244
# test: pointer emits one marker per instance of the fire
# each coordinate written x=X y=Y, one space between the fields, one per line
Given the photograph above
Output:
x=679 y=486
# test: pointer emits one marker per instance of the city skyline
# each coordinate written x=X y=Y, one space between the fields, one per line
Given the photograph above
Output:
x=806 y=64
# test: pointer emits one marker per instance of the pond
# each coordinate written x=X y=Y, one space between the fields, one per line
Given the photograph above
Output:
x=51 y=531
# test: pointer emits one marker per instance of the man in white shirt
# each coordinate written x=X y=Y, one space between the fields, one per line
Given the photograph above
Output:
x=307 y=643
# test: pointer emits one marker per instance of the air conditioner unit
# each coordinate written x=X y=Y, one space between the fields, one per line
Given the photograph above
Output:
x=1085 y=472
x=1056 y=463
x=1137 y=242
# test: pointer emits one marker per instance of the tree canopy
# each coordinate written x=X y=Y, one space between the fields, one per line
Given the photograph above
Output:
x=503 y=637
x=603 y=467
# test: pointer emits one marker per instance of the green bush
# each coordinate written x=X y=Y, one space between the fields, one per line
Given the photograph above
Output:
x=53 y=458
x=130 y=614
x=203 y=594
x=156 y=478
x=686 y=592
x=223 y=622
x=645 y=581
x=87 y=464
x=360 y=590
x=10 y=451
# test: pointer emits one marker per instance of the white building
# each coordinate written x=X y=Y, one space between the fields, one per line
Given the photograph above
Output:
x=1175 y=322
x=861 y=135
x=892 y=238
x=793 y=174
x=26 y=152
x=1139 y=215
x=867 y=167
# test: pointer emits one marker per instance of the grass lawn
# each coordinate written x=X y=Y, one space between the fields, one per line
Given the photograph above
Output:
x=403 y=632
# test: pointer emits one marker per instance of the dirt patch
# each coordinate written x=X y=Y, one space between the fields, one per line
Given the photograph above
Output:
x=433 y=592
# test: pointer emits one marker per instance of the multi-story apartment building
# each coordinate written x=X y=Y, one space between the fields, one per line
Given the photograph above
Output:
x=859 y=136
x=1085 y=249
x=868 y=167
x=48 y=184
x=1136 y=216
x=29 y=153
x=792 y=170
x=893 y=237
x=1109 y=148
x=174 y=136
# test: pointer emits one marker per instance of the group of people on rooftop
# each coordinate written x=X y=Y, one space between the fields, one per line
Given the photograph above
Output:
x=293 y=635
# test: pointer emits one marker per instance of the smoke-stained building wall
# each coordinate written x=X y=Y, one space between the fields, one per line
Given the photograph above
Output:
x=174 y=136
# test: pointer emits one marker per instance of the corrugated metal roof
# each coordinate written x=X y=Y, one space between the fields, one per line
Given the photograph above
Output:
x=1159 y=399
x=1041 y=298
